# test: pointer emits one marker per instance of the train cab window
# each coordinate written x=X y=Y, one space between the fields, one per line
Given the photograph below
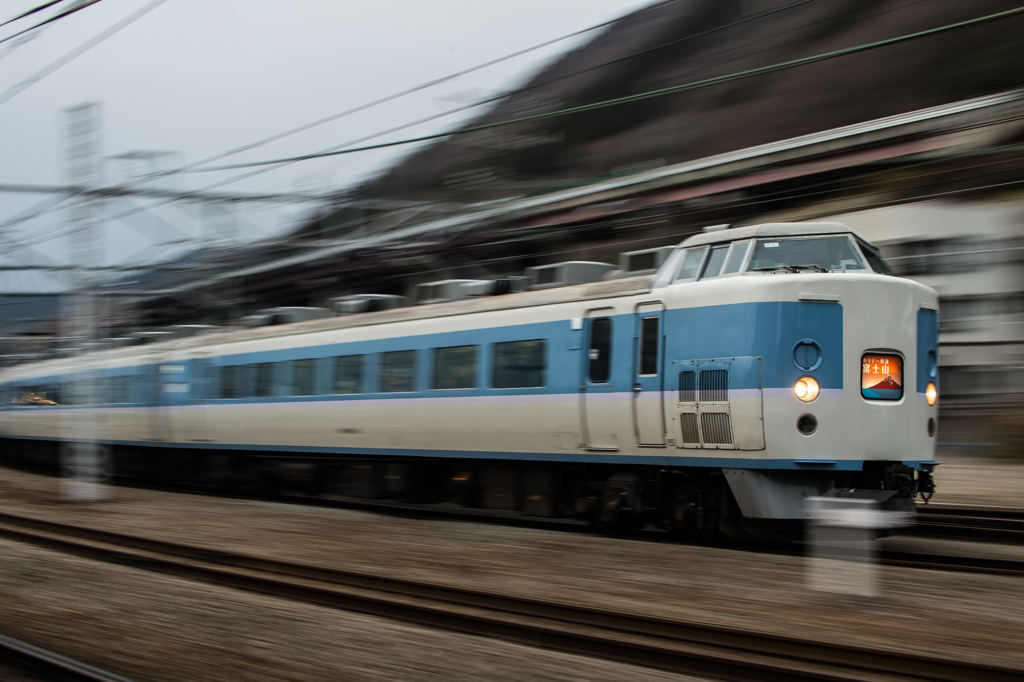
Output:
x=715 y=261
x=600 y=353
x=691 y=263
x=817 y=254
x=264 y=380
x=874 y=259
x=398 y=372
x=737 y=254
x=520 y=364
x=304 y=377
x=349 y=374
x=455 y=367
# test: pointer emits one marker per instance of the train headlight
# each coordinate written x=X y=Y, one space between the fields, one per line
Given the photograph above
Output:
x=807 y=389
x=931 y=394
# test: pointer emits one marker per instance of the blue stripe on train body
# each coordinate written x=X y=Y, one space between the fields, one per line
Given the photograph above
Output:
x=769 y=330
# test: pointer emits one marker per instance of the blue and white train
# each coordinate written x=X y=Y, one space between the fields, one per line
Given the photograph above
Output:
x=759 y=366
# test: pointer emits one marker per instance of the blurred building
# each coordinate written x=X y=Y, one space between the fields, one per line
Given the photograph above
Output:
x=972 y=254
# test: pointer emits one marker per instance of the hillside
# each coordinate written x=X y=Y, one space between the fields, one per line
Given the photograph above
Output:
x=742 y=113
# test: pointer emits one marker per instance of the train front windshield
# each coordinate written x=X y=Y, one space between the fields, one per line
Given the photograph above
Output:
x=817 y=254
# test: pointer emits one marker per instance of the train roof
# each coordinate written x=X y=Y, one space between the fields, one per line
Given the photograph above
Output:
x=769 y=230
x=613 y=287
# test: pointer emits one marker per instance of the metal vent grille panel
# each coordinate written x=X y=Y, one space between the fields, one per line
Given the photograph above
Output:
x=688 y=422
x=714 y=385
x=688 y=387
x=715 y=428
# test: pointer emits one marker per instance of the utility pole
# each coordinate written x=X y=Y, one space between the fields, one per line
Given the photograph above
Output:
x=85 y=461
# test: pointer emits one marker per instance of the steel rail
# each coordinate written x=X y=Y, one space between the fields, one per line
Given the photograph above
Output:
x=663 y=643
x=51 y=665
x=992 y=524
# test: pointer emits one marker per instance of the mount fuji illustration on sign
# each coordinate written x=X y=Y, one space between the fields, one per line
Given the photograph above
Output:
x=882 y=377
x=887 y=384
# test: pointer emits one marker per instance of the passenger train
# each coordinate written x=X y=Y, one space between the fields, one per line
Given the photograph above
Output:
x=757 y=367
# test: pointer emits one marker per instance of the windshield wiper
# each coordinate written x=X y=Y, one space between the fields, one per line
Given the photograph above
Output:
x=789 y=268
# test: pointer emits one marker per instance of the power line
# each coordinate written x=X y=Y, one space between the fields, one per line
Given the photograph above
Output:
x=265 y=169
x=55 y=17
x=427 y=119
x=16 y=90
x=47 y=209
x=489 y=100
x=186 y=195
x=397 y=95
x=634 y=98
x=32 y=11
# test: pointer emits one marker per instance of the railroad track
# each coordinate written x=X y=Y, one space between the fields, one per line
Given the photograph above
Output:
x=674 y=645
x=955 y=522
x=51 y=666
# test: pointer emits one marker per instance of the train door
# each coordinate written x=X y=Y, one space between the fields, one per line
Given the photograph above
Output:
x=648 y=379
x=194 y=426
x=148 y=395
x=175 y=390
x=599 y=400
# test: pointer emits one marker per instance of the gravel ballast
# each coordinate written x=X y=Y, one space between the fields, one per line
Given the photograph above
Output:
x=50 y=598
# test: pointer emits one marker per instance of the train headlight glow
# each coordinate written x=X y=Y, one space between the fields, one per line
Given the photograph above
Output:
x=931 y=394
x=807 y=389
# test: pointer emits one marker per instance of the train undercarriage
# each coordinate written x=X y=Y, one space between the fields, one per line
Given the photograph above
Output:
x=688 y=501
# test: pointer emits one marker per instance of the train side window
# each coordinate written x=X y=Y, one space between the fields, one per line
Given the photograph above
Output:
x=455 y=367
x=600 y=353
x=713 y=267
x=229 y=384
x=520 y=364
x=264 y=379
x=649 y=346
x=398 y=372
x=214 y=385
x=304 y=377
x=737 y=254
x=283 y=379
x=103 y=390
x=691 y=263
x=349 y=374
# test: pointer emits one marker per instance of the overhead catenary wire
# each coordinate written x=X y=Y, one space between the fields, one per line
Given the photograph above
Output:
x=408 y=91
x=55 y=17
x=479 y=67
x=661 y=92
x=19 y=88
x=32 y=11
x=265 y=169
x=532 y=86
x=43 y=210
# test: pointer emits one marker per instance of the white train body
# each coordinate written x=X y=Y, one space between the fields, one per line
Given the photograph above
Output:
x=623 y=390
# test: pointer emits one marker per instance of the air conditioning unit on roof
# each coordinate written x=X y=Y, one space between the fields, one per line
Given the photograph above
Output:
x=146 y=337
x=286 y=315
x=566 y=274
x=182 y=331
x=645 y=262
x=495 y=287
x=445 y=290
x=366 y=303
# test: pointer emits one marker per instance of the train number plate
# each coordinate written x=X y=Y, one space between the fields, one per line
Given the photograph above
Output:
x=881 y=376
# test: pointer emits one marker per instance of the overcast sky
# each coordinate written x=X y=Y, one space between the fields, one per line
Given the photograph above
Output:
x=199 y=77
